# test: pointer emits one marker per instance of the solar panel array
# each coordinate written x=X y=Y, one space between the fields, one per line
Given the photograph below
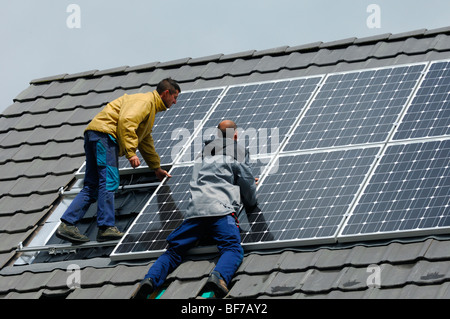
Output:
x=356 y=158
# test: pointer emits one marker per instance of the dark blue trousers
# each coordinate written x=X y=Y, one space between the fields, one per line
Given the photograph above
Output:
x=223 y=230
x=101 y=180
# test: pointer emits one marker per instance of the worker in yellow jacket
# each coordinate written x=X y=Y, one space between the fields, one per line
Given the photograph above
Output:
x=122 y=127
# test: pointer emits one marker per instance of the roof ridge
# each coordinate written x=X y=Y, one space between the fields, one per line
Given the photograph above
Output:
x=315 y=46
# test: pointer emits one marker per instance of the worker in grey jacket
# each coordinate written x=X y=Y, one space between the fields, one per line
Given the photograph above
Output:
x=221 y=181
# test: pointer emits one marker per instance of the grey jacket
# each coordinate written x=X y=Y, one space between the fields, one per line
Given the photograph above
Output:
x=221 y=180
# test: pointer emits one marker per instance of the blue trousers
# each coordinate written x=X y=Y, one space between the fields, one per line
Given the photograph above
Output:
x=101 y=180
x=223 y=230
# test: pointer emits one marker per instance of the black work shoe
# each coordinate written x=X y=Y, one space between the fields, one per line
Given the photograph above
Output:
x=144 y=289
x=110 y=233
x=216 y=284
x=70 y=233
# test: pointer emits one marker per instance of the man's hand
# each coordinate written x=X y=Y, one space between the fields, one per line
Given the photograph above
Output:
x=161 y=174
x=256 y=180
x=134 y=161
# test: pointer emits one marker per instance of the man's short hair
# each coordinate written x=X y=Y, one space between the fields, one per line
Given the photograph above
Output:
x=222 y=132
x=168 y=84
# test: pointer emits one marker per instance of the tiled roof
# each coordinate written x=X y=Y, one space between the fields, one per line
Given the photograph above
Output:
x=41 y=146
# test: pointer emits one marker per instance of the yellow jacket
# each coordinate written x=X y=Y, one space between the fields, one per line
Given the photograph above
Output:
x=130 y=119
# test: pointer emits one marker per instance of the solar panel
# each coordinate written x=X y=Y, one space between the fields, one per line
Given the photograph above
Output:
x=307 y=196
x=264 y=113
x=429 y=113
x=355 y=108
x=409 y=192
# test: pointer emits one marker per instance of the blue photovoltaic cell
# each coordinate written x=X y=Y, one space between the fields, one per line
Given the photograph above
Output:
x=306 y=196
x=162 y=214
x=409 y=191
x=355 y=108
x=264 y=113
x=429 y=113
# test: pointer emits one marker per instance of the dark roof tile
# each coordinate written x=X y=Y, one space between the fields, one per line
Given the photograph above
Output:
x=242 y=67
x=388 y=49
x=408 y=34
x=338 y=43
x=245 y=286
x=110 y=83
x=15 y=138
x=143 y=67
x=373 y=39
x=135 y=79
x=300 y=60
x=271 y=64
x=271 y=52
x=328 y=57
x=305 y=47
x=12 y=170
x=57 y=150
x=257 y=264
x=238 y=55
x=85 y=74
x=443 y=30
x=359 y=52
x=7 y=123
x=204 y=60
x=173 y=63
x=58 y=89
x=216 y=70
x=120 y=69
x=66 y=133
x=443 y=43
x=188 y=73
x=298 y=260
x=27 y=152
x=317 y=281
x=6 y=154
x=32 y=92
x=80 y=116
x=284 y=284
x=184 y=289
x=19 y=223
x=193 y=269
x=49 y=79
x=85 y=85
x=416 y=46
x=426 y=272
x=28 y=204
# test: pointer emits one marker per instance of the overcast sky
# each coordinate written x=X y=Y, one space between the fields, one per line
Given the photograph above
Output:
x=42 y=38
